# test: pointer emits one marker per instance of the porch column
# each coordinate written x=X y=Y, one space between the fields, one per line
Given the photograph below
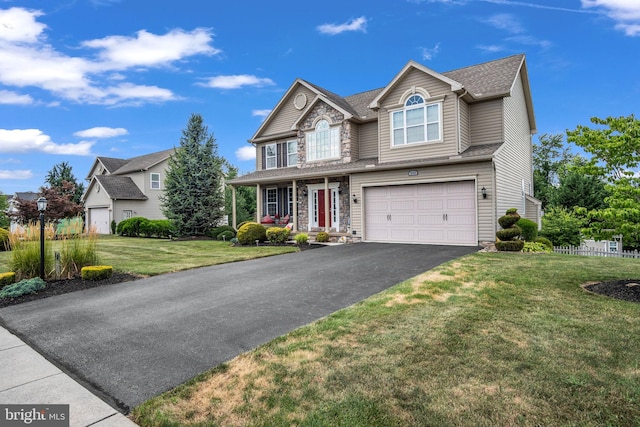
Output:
x=295 y=206
x=233 y=207
x=258 y=203
x=327 y=210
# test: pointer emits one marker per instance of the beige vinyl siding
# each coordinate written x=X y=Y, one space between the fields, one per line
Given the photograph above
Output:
x=464 y=125
x=97 y=198
x=368 y=143
x=486 y=122
x=355 y=141
x=482 y=172
x=391 y=101
x=513 y=159
x=287 y=114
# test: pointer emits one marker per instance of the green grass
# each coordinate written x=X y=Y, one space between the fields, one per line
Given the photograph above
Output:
x=489 y=339
x=158 y=256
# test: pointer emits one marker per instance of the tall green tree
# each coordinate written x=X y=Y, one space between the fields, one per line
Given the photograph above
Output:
x=615 y=148
x=61 y=173
x=245 y=199
x=4 y=206
x=193 y=195
x=579 y=189
x=550 y=156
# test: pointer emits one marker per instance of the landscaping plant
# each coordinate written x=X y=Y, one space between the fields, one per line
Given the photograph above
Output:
x=250 y=232
x=508 y=237
x=278 y=234
x=25 y=251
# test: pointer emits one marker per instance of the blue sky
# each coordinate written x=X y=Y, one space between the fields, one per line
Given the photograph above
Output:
x=120 y=78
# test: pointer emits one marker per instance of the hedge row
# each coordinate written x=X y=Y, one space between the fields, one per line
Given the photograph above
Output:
x=142 y=227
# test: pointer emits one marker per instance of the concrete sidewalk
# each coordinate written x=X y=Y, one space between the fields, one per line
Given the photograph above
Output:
x=28 y=378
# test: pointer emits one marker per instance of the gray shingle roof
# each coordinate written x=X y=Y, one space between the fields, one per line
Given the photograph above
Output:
x=120 y=187
x=142 y=163
x=489 y=79
x=112 y=164
x=474 y=153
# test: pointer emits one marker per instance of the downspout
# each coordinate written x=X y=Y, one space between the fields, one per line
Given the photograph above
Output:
x=458 y=120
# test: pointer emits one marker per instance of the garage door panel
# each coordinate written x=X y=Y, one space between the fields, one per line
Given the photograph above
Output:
x=437 y=213
x=99 y=220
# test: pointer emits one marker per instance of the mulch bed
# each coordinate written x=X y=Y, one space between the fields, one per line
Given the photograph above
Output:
x=627 y=289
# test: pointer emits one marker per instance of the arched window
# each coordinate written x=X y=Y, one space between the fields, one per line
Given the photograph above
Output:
x=324 y=142
x=416 y=122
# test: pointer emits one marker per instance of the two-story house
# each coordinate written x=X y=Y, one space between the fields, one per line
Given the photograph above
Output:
x=119 y=189
x=429 y=158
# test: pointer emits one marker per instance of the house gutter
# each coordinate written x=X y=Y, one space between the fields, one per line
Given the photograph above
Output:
x=458 y=120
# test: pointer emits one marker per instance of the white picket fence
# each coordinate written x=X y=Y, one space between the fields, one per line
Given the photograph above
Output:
x=585 y=251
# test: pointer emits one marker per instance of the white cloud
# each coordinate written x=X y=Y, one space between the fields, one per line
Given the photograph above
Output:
x=16 y=174
x=237 y=81
x=25 y=140
x=260 y=113
x=18 y=25
x=27 y=60
x=506 y=22
x=12 y=98
x=510 y=24
x=151 y=50
x=246 y=153
x=626 y=13
x=357 y=24
x=491 y=48
x=101 y=132
x=429 y=53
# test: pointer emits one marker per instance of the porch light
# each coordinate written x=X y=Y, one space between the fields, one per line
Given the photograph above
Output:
x=484 y=193
x=304 y=192
x=355 y=199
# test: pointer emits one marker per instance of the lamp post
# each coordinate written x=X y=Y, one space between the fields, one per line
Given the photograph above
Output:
x=42 y=206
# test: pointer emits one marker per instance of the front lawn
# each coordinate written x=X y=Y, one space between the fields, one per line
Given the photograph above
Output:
x=158 y=256
x=489 y=339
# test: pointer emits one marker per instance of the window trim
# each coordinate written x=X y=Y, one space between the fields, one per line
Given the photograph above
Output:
x=426 y=103
x=153 y=181
x=293 y=141
x=267 y=202
x=274 y=156
x=332 y=131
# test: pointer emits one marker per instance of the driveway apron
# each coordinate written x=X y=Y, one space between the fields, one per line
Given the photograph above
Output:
x=132 y=341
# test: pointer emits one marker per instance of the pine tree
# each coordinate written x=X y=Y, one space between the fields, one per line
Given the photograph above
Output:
x=193 y=196
x=61 y=173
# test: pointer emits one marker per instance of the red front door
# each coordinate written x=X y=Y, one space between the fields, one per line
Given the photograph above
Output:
x=321 y=211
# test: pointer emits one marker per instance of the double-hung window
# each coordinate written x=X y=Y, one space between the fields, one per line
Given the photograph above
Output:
x=324 y=142
x=155 y=181
x=292 y=153
x=271 y=156
x=416 y=122
x=272 y=201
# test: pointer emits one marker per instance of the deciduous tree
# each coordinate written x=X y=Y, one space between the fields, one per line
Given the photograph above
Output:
x=61 y=173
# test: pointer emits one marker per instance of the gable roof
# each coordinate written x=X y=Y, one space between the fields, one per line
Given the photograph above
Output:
x=482 y=81
x=143 y=163
x=111 y=164
x=118 y=187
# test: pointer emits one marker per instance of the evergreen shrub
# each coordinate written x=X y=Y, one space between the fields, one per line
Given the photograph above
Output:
x=322 y=237
x=278 y=234
x=96 y=272
x=529 y=229
x=250 y=232
x=301 y=238
x=23 y=287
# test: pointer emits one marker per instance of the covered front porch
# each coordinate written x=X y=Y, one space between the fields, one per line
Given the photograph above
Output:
x=305 y=205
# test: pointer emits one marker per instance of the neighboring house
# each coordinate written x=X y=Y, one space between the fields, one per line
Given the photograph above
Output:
x=123 y=188
x=14 y=207
x=429 y=158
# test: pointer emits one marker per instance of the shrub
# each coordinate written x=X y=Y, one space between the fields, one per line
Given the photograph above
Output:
x=215 y=232
x=509 y=219
x=301 y=238
x=113 y=226
x=4 y=240
x=278 y=234
x=508 y=233
x=7 y=279
x=76 y=252
x=510 y=245
x=25 y=251
x=131 y=227
x=96 y=272
x=226 y=235
x=322 y=236
x=562 y=227
x=545 y=242
x=23 y=287
x=250 y=232
x=535 y=247
x=529 y=229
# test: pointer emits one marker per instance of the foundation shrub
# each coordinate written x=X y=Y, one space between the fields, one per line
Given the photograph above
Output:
x=322 y=237
x=226 y=235
x=216 y=231
x=529 y=229
x=131 y=227
x=509 y=233
x=278 y=234
x=510 y=245
x=545 y=242
x=301 y=238
x=250 y=232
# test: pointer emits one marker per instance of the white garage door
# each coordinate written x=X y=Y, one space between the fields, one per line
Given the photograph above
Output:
x=99 y=219
x=437 y=213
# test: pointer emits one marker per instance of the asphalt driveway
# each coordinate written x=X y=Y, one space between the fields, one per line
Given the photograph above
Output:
x=132 y=341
